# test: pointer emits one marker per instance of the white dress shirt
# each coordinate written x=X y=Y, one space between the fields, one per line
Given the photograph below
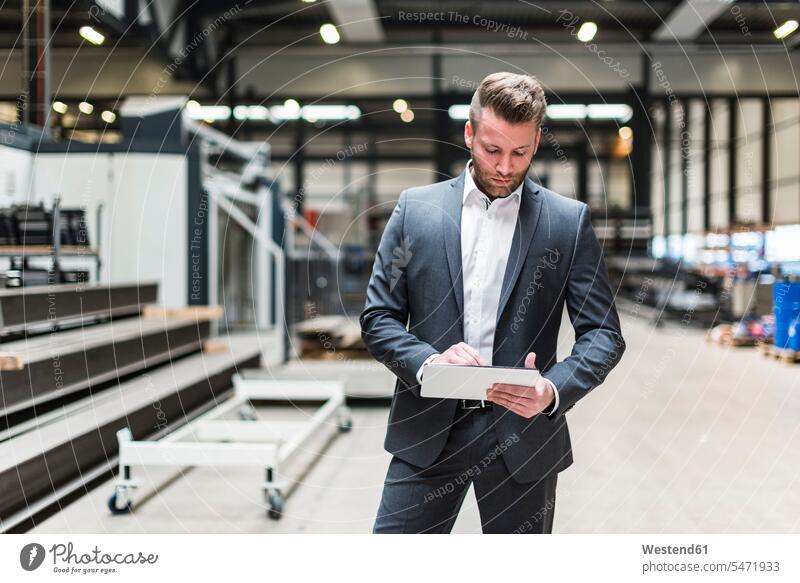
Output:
x=487 y=229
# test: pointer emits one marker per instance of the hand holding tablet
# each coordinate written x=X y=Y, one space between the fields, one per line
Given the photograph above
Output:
x=456 y=381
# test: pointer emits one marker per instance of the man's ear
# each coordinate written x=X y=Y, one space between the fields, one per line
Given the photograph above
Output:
x=537 y=141
x=468 y=135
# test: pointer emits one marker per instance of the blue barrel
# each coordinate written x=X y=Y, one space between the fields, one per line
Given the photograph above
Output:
x=787 y=315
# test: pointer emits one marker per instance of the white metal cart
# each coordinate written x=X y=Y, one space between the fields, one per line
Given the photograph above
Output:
x=210 y=440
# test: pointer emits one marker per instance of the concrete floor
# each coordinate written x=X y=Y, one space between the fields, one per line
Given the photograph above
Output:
x=683 y=437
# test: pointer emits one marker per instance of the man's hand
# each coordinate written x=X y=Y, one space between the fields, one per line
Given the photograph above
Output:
x=520 y=399
x=460 y=353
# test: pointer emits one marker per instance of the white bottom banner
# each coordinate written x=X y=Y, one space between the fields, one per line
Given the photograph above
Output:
x=400 y=558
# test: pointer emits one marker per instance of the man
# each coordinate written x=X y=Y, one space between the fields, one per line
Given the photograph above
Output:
x=479 y=268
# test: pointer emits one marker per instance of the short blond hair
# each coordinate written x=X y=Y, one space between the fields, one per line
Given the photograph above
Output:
x=515 y=98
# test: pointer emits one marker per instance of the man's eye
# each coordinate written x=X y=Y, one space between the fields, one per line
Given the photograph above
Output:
x=492 y=151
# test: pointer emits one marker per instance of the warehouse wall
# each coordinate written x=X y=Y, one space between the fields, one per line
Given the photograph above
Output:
x=740 y=177
x=696 y=163
x=16 y=167
x=144 y=219
x=785 y=167
x=750 y=133
x=719 y=163
x=658 y=184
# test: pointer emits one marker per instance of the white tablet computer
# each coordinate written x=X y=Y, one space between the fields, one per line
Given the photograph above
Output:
x=456 y=381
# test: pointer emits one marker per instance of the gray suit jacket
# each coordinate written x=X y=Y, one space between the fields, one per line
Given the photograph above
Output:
x=414 y=308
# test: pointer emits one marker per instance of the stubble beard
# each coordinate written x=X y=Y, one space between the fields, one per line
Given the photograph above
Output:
x=483 y=180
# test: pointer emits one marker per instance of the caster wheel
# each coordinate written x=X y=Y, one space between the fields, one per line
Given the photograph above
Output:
x=275 y=505
x=346 y=426
x=112 y=506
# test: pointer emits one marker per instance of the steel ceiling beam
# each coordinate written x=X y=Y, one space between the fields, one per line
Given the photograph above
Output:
x=690 y=19
x=358 y=20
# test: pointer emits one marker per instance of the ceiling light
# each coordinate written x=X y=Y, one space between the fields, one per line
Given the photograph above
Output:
x=566 y=111
x=250 y=112
x=210 y=113
x=241 y=112
x=108 y=116
x=587 y=31
x=400 y=105
x=407 y=116
x=330 y=112
x=90 y=34
x=785 y=29
x=291 y=105
x=329 y=34
x=85 y=107
x=60 y=107
x=625 y=133
x=618 y=111
x=284 y=112
x=458 y=112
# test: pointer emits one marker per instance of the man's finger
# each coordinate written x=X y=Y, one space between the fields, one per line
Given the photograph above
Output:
x=499 y=399
x=510 y=405
x=474 y=353
x=454 y=357
x=530 y=360
x=520 y=401
x=463 y=359
x=517 y=408
x=515 y=390
x=465 y=355
x=529 y=398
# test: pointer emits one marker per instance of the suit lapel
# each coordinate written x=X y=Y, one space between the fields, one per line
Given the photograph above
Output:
x=530 y=209
x=451 y=226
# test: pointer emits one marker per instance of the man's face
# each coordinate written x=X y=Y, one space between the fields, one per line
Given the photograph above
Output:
x=501 y=152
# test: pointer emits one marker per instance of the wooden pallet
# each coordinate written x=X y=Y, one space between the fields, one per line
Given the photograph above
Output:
x=782 y=354
x=215 y=346
x=11 y=361
x=740 y=342
x=731 y=341
x=184 y=313
x=344 y=354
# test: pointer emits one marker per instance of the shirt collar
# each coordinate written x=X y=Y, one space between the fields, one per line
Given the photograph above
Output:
x=470 y=186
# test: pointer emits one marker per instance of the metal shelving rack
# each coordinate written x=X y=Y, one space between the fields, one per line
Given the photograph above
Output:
x=56 y=251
